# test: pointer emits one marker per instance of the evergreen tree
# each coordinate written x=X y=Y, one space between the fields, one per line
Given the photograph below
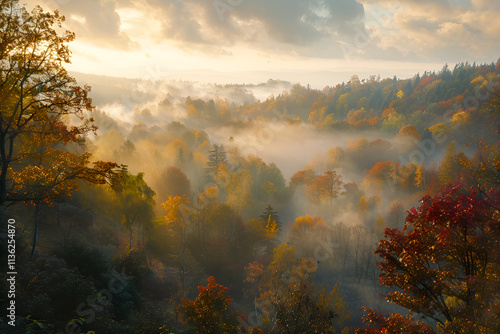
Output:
x=268 y=212
x=215 y=158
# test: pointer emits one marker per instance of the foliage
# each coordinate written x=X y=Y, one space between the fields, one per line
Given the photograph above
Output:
x=38 y=98
x=216 y=157
x=326 y=186
x=411 y=131
x=394 y=324
x=291 y=301
x=88 y=258
x=453 y=167
x=136 y=200
x=173 y=182
x=211 y=311
x=445 y=262
x=270 y=215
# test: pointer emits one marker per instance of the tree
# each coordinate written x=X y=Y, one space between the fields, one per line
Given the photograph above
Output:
x=380 y=174
x=419 y=178
x=302 y=178
x=37 y=98
x=136 y=200
x=291 y=302
x=38 y=159
x=453 y=167
x=173 y=182
x=395 y=324
x=484 y=169
x=410 y=131
x=446 y=262
x=210 y=312
x=362 y=205
x=335 y=157
x=271 y=215
x=379 y=224
x=177 y=208
x=239 y=189
x=216 y=157
x=266 y=191
x=305 y=233
x=325 y=186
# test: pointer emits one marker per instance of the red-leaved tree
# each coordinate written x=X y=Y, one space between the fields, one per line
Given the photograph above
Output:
x=445 y=263
x=210 y=312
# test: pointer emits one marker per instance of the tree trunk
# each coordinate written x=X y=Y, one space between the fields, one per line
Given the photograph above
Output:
x=183 y=264
x=143 y=237
x=117 y=238
x=37 y=222
x=131 y=234
x=5 y=158
x=3 y=214
x=58 y=214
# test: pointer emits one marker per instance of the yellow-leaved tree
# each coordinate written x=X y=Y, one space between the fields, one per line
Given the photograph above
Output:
x=290 y=299
x=42 y=113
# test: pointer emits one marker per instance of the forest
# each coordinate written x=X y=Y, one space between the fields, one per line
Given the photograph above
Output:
x=369 y=206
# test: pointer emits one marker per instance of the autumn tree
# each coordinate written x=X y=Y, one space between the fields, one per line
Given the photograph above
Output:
x=335 y=157
x=409 y=131
x=291 y=303
x=216 y=157
x=302 y=178
x=326 y=186
x=379 y=224
x=420 y=177
x=483 y=171
x=238 y=187
x=177 y=223
x=453 y=166
x=445 y=262
x=38 y=97
x=305 y=233
x=377 y=323
x=173 y=182
x=270 y=214
x=380 y=175
x=362 y=205
x=260 y=238
x=136 y=200
x=210 y=312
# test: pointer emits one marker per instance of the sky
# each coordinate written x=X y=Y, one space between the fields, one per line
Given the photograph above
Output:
x=316 y=42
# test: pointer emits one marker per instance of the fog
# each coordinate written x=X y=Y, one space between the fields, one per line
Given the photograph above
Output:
x=275 y=155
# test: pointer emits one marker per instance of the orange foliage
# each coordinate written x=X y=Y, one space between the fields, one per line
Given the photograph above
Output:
x=210 y=311
x=387 y=112
x=308 y=223
x=380 y=170
x=395 y=324
x=254 y=272
x=302 y=177
x=425 y=81
x=409 y=130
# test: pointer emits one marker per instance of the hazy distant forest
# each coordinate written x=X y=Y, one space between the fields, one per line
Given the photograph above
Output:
x=143 y=206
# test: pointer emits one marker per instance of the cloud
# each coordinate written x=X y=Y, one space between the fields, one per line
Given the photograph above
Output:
x=412 y=30
x=94 y=21
x=442 y=30
x=279 y=23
